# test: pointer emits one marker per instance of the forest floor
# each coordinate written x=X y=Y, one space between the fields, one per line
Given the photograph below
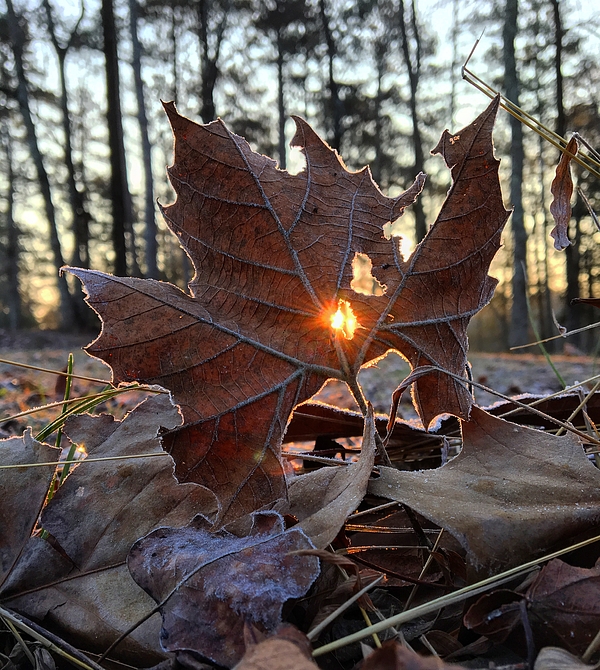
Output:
x=22 y=388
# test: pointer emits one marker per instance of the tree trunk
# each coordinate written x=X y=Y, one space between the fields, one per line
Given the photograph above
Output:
x=80 y=217
x=281 y=102
x=413 y=65
x=209 y=62
x=12 y=241
x=149 y=217
x=336 y=106
x=122 y=213
x=572 y=256
x=519 y=316
x=67 y=311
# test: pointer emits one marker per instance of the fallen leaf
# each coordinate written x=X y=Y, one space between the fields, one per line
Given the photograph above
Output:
x=273 y=255
x=393 y=656
x=564 y=605
x=288 y=648
x=322 y=500
x=80 y=586
x=562 y=190
x=510 y=494
x=555 y=658
x=22 y=494
x=208 y=584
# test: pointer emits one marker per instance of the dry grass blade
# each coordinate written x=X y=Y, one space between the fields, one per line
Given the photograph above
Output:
x=586 y=160
x=72 y=655
x=449 y=599
x=61 y=373
x=568 y=427
x=556 y=337
x=79 y=461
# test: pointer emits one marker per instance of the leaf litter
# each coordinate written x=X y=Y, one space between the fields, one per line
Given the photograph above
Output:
x=259 y=333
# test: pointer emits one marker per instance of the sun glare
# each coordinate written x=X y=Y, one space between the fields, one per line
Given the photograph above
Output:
x=344 y=320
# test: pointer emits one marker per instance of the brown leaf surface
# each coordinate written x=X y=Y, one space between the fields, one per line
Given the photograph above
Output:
x=562 y=190
x=209 y=584
x=288 y=648
x=22 y=494
x=393 y=656
x=510 y=494
x=322 y=500
x=85 y=591
x=564 y=604
x=273 y=256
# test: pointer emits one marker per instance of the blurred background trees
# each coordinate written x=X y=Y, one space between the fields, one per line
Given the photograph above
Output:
x=84 y=141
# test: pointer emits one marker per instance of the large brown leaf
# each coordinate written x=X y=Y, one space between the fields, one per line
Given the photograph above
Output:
x=79 y=585
x=510 y=494
x=209 y=585
x=273 y=256
x=22 y=494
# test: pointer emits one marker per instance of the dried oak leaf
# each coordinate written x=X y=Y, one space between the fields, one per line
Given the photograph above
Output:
x=209 y=584
x=22 y=494
x=80 y=586
x=562 y=190
x=322 y=500
x=273 y=255
x=510 y=494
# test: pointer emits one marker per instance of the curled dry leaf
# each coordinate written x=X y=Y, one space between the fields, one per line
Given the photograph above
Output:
x=510 y=494
x=393 y=656
x=261 y=329
x=288 y=648
x=555 y=658
x=209 y=584
x=562 y=190
x=322 y=500
x=84 y=591
x=562 y=603
x=22 y=494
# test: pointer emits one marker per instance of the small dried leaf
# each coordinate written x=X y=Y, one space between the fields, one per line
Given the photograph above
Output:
x=564 y=605
x=555 y=658
x=501 y=499
x=288 y=648
x=393 y=656
x=562 y=190
x=209 y=584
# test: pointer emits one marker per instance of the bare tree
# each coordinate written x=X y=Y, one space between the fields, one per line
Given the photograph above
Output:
x=149 y=213
x=12 y=238
x=17 y=39
x=79 y=215
x=519 y=314
x=412 y=60
x=122 y=210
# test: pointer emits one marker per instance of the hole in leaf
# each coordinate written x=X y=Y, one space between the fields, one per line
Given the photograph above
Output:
x=363 y=280
x=344 y=320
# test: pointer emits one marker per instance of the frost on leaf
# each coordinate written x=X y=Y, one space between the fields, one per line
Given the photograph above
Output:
x=209 y=584
x=273 y=255
x=499 y=497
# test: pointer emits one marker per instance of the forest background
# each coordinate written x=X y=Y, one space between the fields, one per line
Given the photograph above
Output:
x=84 y=139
